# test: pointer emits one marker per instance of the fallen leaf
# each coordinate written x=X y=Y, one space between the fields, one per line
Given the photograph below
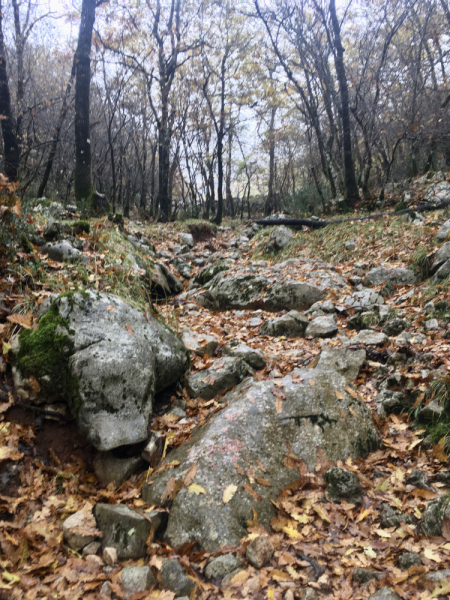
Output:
x=339 y=395
x=428 y=553
x=322 y=513
x=248 y=488
x=21 y=320
x=190 y=475
x=446 y=528
x=228 y=493
x=129 y=329
x=197 y=489
x=34 y=383
x=292 y=533
x=279 y=406
x=312 y=382
x=111 y=308
x=262 y=481
x=352 y=393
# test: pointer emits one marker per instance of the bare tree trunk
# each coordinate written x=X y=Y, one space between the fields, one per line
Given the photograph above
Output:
x=351 y=187
x=11 y=146
x=271 y=201
x=83 y=168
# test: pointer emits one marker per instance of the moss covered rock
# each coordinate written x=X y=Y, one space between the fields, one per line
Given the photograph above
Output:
x=104 y=358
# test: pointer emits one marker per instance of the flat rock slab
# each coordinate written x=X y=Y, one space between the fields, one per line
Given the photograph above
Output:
x=345 y=361
x=368 y=337
x=199 y=343
x=252 y=357
x=308 y=409
x=223 y=374
x=322 y=327
x=291 y=325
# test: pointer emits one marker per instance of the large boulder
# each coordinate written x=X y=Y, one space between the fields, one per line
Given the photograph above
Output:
x=62 y=251
x=345 y=361
x=105 y=359
x=291 y=325
x=279 y=238
x=308 y=409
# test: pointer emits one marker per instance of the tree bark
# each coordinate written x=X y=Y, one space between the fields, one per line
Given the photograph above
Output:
x=83 y=169
x=11 y=146
x=270 y=201
x=351 y=187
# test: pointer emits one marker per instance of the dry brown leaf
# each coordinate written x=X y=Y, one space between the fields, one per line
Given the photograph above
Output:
x=190 y=475
x=34 y=384
x=312 y=382
x=262 y=481
x=339 y=395
x=129 y=329
x=352 y=393
x=21 y=320
x=278 y=406
x=248 y=488
x=228 y=493
x=110 y=307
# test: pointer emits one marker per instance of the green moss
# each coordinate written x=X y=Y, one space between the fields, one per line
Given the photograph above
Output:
x=400 y=206
x=80 y=227
x=430 y=174
x=44 y=352
x=26 y=244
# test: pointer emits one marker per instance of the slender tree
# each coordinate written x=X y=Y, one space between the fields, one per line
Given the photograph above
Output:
x=11 y=146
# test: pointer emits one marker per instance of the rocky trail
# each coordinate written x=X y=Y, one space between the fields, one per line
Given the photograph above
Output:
x=297 y=449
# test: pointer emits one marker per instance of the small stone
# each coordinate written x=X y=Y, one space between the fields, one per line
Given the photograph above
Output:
x=444 y=477
x=93 y=558
x=351 y=245
x=289 y=595
x=435 y=512
x=109 y=556
x=259 y=552
x=91 y=548
x=174 y=578
x=136 y=579
x=126 y=530
x=252 y=357
x=279 y=238
x=224 y=373
x=391 y=518
x=321 y=327
x=443 y=231
x=433 y=410
x=418 y=480
x=343 y=484
x=77 y=529
x=385 y=593
x=291 y=325
x=395 y=326
x=154 y=449
x=187 y=238
x=432 y=325
x=222 y=565
x=364 y=576
x=106 y=589
x=409 y=559
x=199 y=343
x=111 y=469
x=369 y=338
x=437 y=576
x=309 y=594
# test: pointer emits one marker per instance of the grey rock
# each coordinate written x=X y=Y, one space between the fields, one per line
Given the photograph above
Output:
x=252 y=357
x=433 y=515
x=443 y=231
x=250 y=428
x=79 y=530
x=255 y=322
x=114 y=372
x=389 y=402
x=363 y=576
x=199 y=343
x=364 y=299
x=441 y=256
x=444 y=477
x=350 y=245
x=376 y=276
x=369 y=338
x=279 y=238
x=438 y=192
x=174 y=578
x=418 y=479
x=182 y=267
x=187 y=238
x=345 y=361
x=126 y=530
x=164 y=274
x=291 y=325
x=91 y=549
x=437 y=576
x=392 y=518
x=385 y=593
x=224 y=373
x=154 y=449
x=136 y=579
x=259 y=552
x=112 y=469
x=442 y=272
x=343 y=484
x=395 y=326
x=433 y=410
x=322 y=327
x=432 y=325
x=309 y=593
x=293 y=295
x=409 y=559
x=410 y=338
x=222 y=565
x=208 y=273
x=106 y=589
x=62 y=251
x=52 y=229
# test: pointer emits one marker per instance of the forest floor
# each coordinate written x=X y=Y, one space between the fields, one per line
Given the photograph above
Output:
x=46 y=470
